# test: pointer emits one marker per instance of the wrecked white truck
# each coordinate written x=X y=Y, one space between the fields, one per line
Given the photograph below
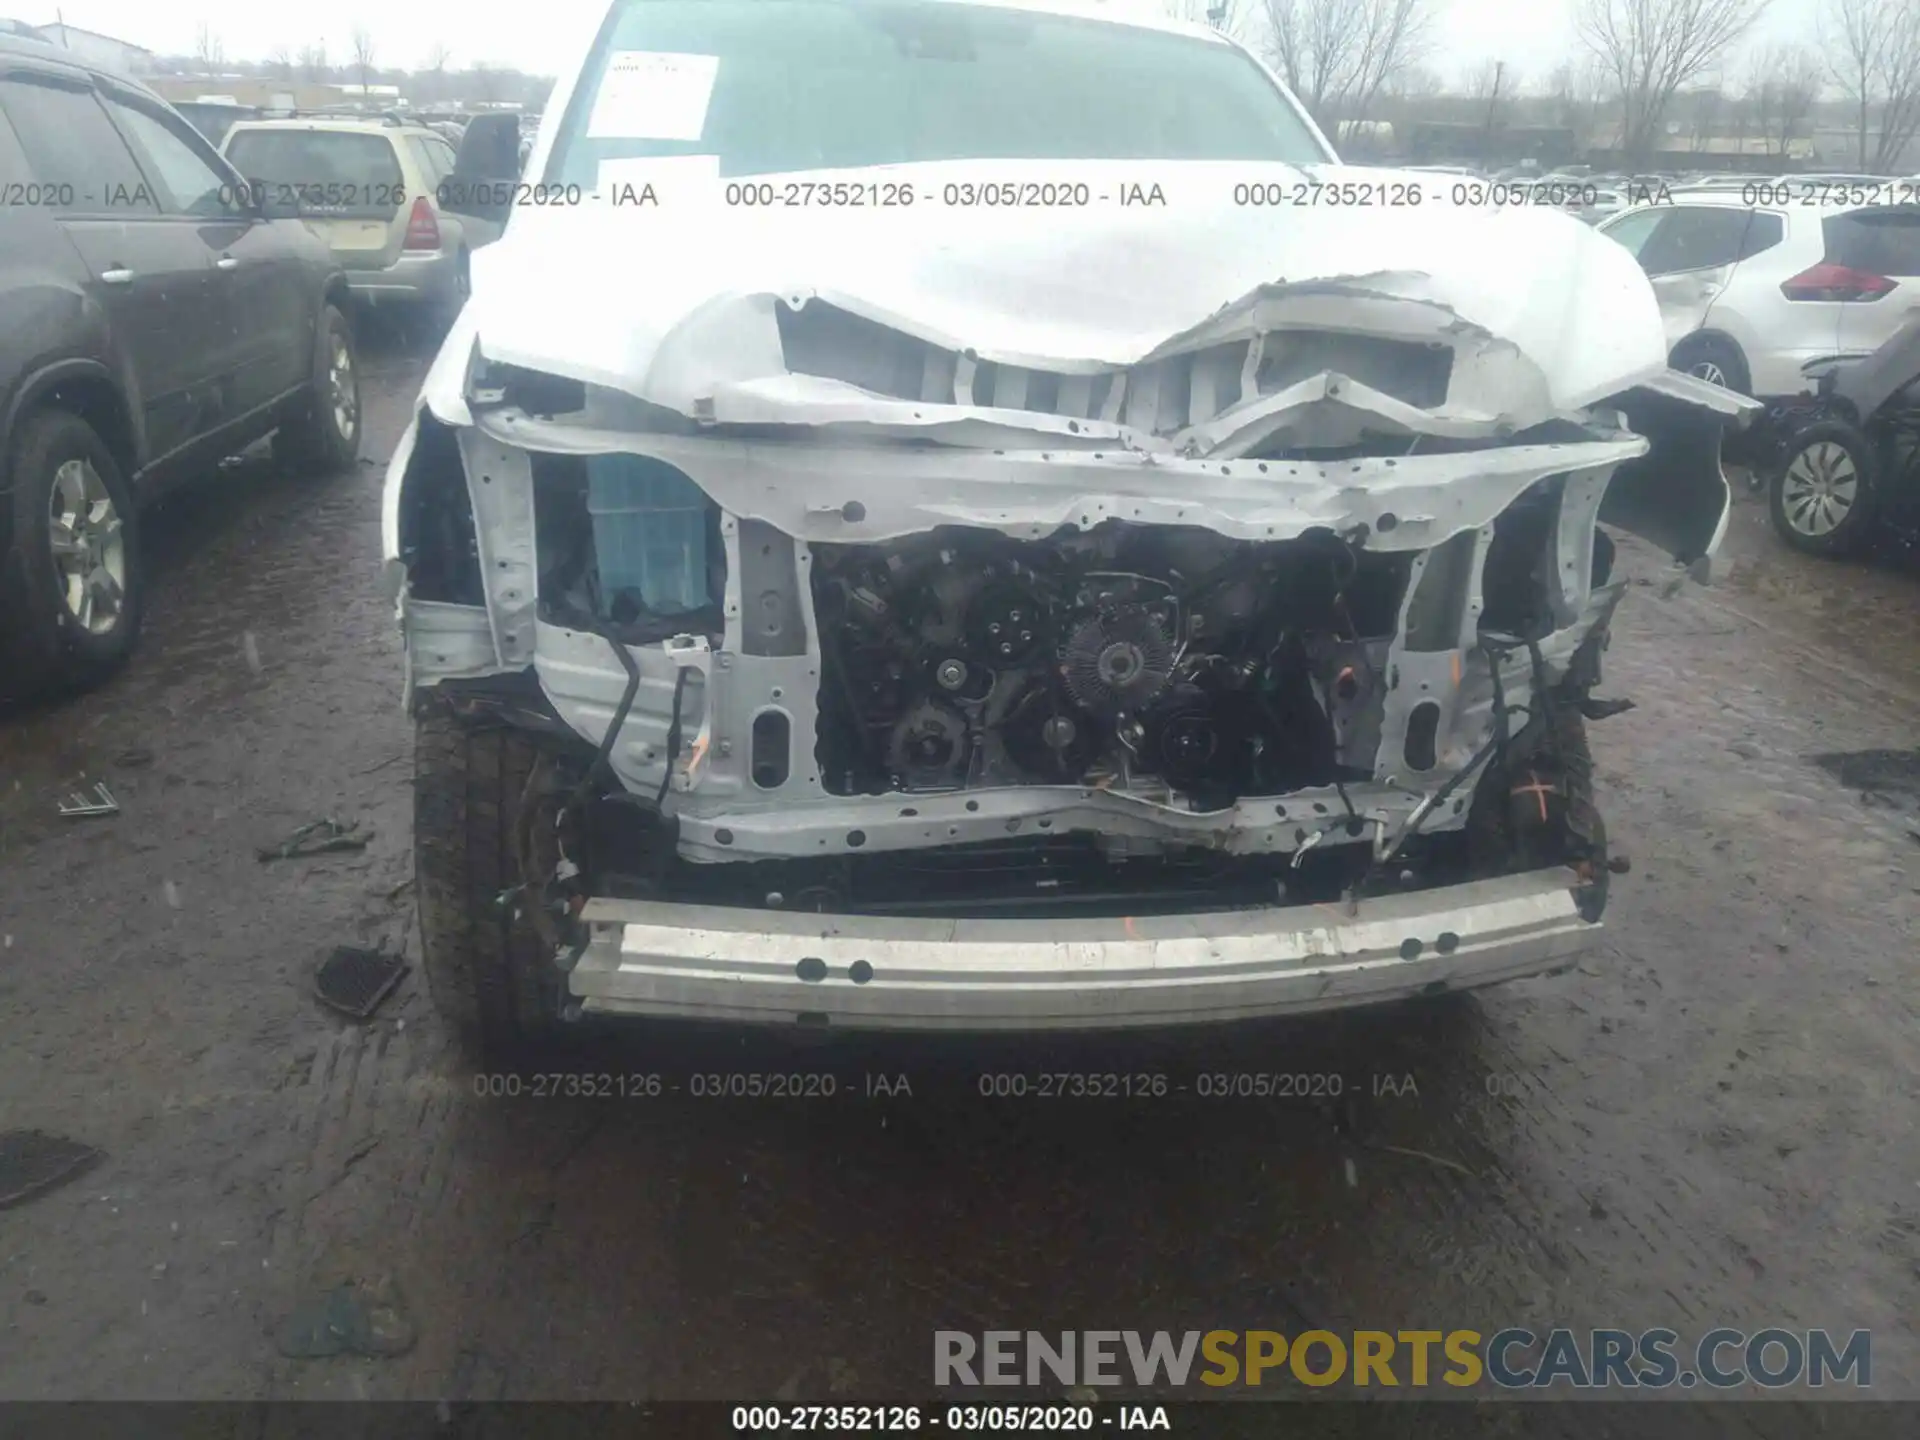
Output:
x=832 y=597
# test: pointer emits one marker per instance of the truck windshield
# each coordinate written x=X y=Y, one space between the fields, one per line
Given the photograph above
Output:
x=773 y=85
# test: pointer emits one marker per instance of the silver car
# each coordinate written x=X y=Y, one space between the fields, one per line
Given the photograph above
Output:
x=374 y=189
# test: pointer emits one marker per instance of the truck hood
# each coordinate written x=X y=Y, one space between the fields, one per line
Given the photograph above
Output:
x=660 y=289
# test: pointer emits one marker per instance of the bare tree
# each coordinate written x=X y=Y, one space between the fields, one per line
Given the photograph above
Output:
x=1699 y=110
x=1338 y=56
x=1575 y=92
x=430 y=81
x=1491 y=85
x=1414 y=82
x=485 y=84
x=313 y=60
x=1493 y=82
x=1229 y=17
x=208 y=50
x=1651 y=49
x=280 y=62
x=363 y=53
x=1874 y=50
x=1411 y=96
x=1782 y=84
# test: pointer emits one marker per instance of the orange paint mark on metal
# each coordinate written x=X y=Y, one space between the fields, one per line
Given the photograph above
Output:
x=1539 y=789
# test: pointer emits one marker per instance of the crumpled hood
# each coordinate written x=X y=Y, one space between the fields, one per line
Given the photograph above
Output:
x=673 y=300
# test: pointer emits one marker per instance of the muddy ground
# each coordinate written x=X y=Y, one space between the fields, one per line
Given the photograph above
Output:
x=1711 y=1122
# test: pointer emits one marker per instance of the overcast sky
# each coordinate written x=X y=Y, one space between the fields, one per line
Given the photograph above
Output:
x=537 y=35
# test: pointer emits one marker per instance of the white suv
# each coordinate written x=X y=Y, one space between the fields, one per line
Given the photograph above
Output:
x=1753 y=294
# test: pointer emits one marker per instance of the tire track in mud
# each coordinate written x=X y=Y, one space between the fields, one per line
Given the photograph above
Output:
x=371 y=1137
x=1701 y=1266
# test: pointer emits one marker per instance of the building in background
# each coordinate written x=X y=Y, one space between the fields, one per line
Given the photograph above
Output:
x=1679 y=153
x=1838 y=147
x=1476 y=142
x=274 y=93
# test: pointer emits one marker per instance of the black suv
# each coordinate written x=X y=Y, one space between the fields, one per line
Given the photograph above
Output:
x=155 y=316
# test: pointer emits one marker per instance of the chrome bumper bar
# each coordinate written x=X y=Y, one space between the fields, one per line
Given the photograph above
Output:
x=858 y=972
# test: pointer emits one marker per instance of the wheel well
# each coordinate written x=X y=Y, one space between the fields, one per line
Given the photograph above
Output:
x=437 y=538
x=337 y=294
x=95 y=400
x=1711 y=337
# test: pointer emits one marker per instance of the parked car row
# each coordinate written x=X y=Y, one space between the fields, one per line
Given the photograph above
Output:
x=1584 y=195
x=165 y=302
x=1594 y=196
x=1776 y=299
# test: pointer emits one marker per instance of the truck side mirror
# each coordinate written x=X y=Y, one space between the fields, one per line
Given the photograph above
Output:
x=485 y=170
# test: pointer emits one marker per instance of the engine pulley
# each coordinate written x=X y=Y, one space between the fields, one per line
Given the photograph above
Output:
x=928 y=746
x=1045 y=741
x=1182 y=738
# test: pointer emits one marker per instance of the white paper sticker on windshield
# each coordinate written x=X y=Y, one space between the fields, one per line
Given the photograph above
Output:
x=653 y=95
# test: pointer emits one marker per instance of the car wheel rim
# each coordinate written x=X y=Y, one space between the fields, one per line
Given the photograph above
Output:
x=1710 y=372
x=1820 y=488
x=89 y=545
x=342 y=394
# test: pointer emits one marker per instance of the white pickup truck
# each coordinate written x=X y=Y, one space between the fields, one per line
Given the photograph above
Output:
x=967 y=516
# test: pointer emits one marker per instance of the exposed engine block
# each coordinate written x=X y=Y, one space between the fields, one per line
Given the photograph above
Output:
x=1148 y=658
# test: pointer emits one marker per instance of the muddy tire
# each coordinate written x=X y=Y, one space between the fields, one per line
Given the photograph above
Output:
x=324 y=437
x=75 y=528
x=491 y=976
x=1502 y=835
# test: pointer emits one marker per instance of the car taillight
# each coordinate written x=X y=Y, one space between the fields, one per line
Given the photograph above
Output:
x=1836 y=282
x=423 y=231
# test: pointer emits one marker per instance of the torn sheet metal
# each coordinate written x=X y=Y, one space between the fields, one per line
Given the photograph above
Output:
x=1103 y=287
x=1691 y=389
x=1327 y=411
x=860 y=493
x=839 y=377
